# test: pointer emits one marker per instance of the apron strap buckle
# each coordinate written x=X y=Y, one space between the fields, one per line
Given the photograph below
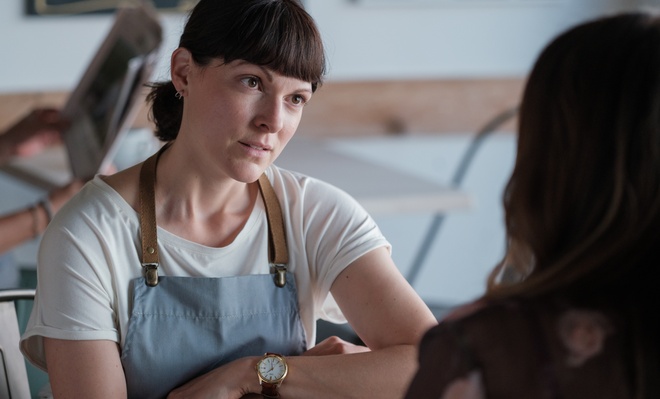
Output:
x=151 y=273
x=279 y=272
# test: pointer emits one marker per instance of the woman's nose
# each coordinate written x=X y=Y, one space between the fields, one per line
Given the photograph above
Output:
x=270 y=115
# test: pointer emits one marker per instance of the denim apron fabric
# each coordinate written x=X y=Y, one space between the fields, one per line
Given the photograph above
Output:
x=183 y=327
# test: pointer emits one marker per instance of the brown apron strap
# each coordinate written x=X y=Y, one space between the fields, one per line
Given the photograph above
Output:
x=148 y=225
x=277 y=248
x=278 y=253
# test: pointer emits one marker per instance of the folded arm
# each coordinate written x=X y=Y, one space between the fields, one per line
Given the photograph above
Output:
x=383 y=310
x=379 y=304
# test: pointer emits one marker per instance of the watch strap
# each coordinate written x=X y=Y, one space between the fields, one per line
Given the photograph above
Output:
x=269 y=390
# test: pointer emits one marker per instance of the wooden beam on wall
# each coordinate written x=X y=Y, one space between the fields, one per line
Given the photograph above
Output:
x=399 y=107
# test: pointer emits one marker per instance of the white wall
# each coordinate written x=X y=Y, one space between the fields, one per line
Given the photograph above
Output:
x=363 y=41
x=476 y=39
x=51 y=53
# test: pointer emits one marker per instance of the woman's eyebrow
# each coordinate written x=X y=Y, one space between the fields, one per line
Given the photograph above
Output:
x=266 y=71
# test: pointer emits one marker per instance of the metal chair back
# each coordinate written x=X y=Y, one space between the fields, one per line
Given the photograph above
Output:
x=13 y=373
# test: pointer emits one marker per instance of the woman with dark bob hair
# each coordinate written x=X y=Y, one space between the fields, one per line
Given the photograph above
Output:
x=583 y=220
x=202 y=271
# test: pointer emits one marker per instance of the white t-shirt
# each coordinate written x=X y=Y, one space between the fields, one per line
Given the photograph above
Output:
x=91 y=252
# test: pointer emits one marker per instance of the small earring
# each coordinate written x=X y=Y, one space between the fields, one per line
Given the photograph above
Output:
x=178 y=95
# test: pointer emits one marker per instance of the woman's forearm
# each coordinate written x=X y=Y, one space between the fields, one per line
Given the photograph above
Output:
x=383 y=373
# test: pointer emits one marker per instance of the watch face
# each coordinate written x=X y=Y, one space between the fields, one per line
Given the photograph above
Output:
x=272 y=368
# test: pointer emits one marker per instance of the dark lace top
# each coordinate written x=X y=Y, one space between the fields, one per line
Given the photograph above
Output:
x=544 y=349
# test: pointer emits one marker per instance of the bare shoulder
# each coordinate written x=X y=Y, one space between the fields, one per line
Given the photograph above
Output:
x=126 y=183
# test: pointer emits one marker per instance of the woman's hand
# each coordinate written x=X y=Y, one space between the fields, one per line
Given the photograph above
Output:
x=39 y=129
x=334 y=346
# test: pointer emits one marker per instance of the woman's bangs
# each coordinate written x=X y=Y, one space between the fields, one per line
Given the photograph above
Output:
x=283 y=40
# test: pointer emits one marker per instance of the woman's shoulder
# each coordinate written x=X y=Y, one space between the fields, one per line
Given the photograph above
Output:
x=545 y=330
x=96 y=201
x=292 y=183
x=477 y=315
x=517 y=342
x=498 y=327
x=124 y=183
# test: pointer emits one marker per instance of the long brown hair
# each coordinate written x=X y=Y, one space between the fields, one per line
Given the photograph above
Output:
x=582 y=207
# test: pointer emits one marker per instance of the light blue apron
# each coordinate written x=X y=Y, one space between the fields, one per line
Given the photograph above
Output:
x=183 y=327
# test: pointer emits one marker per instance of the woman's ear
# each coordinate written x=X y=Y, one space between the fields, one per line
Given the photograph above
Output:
x=181 y=66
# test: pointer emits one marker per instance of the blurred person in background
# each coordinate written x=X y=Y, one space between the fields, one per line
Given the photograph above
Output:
x=572 y=310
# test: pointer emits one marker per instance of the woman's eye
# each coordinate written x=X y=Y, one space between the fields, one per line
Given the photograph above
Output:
x=251 y=82
x=298 y=100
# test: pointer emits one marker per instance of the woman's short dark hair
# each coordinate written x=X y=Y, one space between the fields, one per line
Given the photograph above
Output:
x=278 y=34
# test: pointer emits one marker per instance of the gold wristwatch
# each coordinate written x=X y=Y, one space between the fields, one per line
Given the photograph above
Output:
x=272 y=370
